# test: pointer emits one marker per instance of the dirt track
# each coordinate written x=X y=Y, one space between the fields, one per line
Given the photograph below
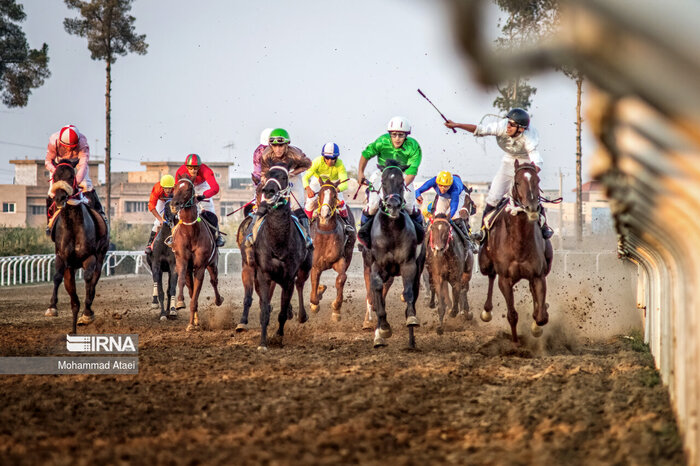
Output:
x=327 y=397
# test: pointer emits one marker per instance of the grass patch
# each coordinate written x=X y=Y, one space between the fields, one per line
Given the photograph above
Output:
x=635 y=341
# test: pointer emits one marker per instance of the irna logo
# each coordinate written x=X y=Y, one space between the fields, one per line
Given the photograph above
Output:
x=102 y=344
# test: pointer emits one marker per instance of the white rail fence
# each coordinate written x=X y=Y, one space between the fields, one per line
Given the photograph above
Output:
x=37 y=268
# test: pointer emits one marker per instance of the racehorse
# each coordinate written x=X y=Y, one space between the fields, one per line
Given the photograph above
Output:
x=195 y=250
x=515 y=249
x=279 y=254
x=81 y=237
x=332 y=246
x=161 y=260
x=396 y=249
x=449 y=262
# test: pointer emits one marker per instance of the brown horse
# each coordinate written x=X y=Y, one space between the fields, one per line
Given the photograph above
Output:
x=515 y=249
x=81 y=237
x=195 y=250
x=332 y=247
x=449 y=262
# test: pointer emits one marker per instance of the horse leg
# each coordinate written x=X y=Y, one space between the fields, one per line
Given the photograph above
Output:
x=383 y=329
x=247 y=277
x=181 y=279
x=89 y=276
x=409 y=270
x=486 y=315
x=285 y=302
x=315 y=278
x=194 y=299
x=52 y=311
x=302 y=276
x=214 y=280
x=264 y=291
x=368 y=324
x=538 y=287
x=340 y=268
x=172 y=290
x=157 y=274
x=442 y=295
x=456 y=294
x=69 y=284
x=506 y=286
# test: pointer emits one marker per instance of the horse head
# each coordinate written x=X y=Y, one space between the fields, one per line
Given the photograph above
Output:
x=440 y=233
x=64 y=184
x=393 y=188
x=327 y=200
x=183 y=195
x=169 y=216
x=526 y=189
x=275 y=191
x=469 y=207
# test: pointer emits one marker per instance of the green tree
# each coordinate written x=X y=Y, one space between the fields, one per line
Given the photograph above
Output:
x=109 y=29
x=21 y=68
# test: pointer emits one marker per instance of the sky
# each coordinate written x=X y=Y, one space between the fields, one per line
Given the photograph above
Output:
x=218 y=72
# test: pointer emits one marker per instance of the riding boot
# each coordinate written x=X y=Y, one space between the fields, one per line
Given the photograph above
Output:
x=94 y=202
x=547 y=231
x=479 y=235
x=343 y=214
x=49 y=213
x=304 y=222
x=461 y=230
x=417 y=218
x=149 y=248
x=214 y=221
x=364 y=235
x=248 y=243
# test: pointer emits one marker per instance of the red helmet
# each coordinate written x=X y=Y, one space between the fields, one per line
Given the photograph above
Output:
x=193 y=160
x=69 y=136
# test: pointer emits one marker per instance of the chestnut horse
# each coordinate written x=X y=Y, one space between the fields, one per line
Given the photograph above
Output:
x=515 y=249
x=81 y=237
x=279 y=254
x=332 y=246
x=195 y=250
x=449 y=263
x=396 y=249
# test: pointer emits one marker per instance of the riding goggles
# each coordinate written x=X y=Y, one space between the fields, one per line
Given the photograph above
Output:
x=397 y=134
x=515 y=125
x=278 y=141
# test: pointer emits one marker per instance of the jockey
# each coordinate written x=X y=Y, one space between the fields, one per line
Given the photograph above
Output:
x=161 y=192
x=395 y=144
x=280 y=151
x=450 y=195
x=329 y=166
x=257 y=155
x=205 y=187
x=69 y=145
x=519 y=141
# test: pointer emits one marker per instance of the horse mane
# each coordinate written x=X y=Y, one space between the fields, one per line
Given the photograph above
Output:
x=441 y=215
x=392 y=163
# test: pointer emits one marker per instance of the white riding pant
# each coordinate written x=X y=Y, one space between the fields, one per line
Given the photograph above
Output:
x=160 y=207
x=444 y=203
x=409 y=195
x=85 y=186
x=503 y=181
x=206 y=204
x=298 y=191
x=311 y=203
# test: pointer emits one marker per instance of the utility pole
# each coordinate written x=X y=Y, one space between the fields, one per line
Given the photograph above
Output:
x=561 y=207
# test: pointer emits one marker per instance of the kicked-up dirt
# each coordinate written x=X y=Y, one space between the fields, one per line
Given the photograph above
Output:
x=327 y=396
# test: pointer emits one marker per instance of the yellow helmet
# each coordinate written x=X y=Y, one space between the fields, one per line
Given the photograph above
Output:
x=444 y=179
x=167 y=181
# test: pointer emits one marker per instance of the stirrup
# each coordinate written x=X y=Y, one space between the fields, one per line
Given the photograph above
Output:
x=477 y=236
x=220 y=241
x=547 y=232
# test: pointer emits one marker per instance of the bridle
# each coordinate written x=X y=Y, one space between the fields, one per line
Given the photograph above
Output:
x=331 y=208
x=191 y=201
x=74 y=186
x=514 y=192
x=449 y=235
x=390 y=196
x=281 y=197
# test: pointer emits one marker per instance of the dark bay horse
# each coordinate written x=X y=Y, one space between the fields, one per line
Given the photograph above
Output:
x=81 y=237
x=162 y=260
x=515 y=249
x=195 y=251
x=449 y=262
x=279 y=254
x=332 y=246
x=396 y=250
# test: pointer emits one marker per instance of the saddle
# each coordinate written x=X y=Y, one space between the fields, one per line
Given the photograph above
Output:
x=101 y=227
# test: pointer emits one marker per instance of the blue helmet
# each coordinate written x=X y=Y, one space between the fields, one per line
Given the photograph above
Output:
x=330 y=150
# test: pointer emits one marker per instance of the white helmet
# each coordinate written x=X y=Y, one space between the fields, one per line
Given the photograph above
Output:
x=399 y=123
x=265 y=136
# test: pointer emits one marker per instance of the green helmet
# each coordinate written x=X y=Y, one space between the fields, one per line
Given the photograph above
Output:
x=279 y=136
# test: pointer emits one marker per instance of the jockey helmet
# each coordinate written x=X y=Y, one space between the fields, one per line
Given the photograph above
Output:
x=444 y=179
x=519 y=117
x=69 y=136
x=265 y=136
x=399 y=123
x=167 y=181
x=330 y=150
x=193 y=160
x=279 y=136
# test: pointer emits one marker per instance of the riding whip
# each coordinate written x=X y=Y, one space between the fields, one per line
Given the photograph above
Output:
x=443 y=116
x=241 y=207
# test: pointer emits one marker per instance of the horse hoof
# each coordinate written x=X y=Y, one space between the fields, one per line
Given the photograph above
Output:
x=412 y=321
x=262 y=348
x=51 y=312
x=440 y=330
x=191 y=328
x=163 y=318
x=241 y=328
x=336 y=307
x=335 y=316
x=367 y=325
x=155 y=305
x=379 y=340
x=469 y=315
x=86 y=320
x=173 y=313
x=180 y=305
x=453 y=313
x=536 y=330
x=384 y=332
x=486 y=316
x=314 y=308
x=219 y=301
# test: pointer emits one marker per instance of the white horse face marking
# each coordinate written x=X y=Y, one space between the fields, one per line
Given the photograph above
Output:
x=325 y=207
